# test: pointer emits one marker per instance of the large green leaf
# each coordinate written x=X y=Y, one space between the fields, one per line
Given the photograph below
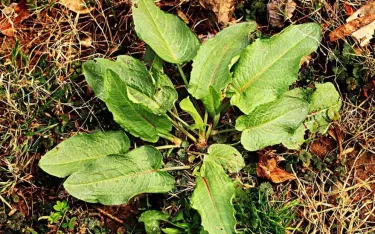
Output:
x=272 y=123
x=227 y=156
x=212 y=198
x=269 y=66
x=115 y=179
x=211 y=65
x=212 y=102
x=81 y=150
x=152 y=60
x=134 y=118
x=151 y=219
x=155 y=64
x=165 y=94
x=94 y=71
x=130 y=70
x=165 y=33
x=188 y=106
x=162 y=101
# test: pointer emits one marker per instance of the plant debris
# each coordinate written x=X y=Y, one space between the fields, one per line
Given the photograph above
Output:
x=360 y=25
x=77 y=6
x=280 y=11
x=267 y=169
x=12 y=16
x=222 y=8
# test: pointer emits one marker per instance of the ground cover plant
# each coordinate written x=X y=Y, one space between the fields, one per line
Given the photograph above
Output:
x=186 y=116
x=227 y=71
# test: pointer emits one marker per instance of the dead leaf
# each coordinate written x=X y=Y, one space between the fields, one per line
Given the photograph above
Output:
x=280 y=11
x=368 y=9
x=222 y=8
x=322 y=146
x=361 y=25
x=183 y=16
x=347 y=151
x=77 y=6
x=86 y=42
x=12 y=16
x=305 y=59
x=267 y=169
x=348 y=8
x=351 y=27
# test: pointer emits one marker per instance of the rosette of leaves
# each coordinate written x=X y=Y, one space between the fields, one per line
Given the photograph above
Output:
x=100 y=167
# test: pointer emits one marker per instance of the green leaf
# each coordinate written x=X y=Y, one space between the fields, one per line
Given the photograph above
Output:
x=172 y=231
x=54 y=217
x=165 y=33
x=115 y=179
x=129 y=69
x=325 y=104
x=211 y=65
x=188 y=106
x=151 y=219
x=81 y=150
x=94 y=72
x=61 y=206
x=212 y=198
x=272 y=123
x=134 y=74
x=134 y=118
x=269 y=66
x=156 y=68
x=296 y=139
x=324 y=107
x=153 y=61
x=165 y=94
x=160 y=103
x=212 y=102
x=227 y=156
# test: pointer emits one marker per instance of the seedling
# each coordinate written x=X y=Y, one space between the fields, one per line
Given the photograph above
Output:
x=60 y=215
x=255 y=78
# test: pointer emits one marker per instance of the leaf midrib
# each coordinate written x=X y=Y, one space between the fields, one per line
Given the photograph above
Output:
x=217 y=66
x=118 y=177
x=271 y=120
x=134 y=109
x=158 y=29
x=213 y=200
x=259 y=74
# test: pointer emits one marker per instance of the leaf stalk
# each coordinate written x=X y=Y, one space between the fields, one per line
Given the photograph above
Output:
x=182 y=74
x=175 y=168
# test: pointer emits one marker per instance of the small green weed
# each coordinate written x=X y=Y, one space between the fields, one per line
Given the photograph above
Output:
x=258 y=212
x=60 y=216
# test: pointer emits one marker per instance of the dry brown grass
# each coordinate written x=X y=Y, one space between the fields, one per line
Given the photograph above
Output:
x=346 y=205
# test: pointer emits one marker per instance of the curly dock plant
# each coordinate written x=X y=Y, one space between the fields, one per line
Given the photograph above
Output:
x=256 y=78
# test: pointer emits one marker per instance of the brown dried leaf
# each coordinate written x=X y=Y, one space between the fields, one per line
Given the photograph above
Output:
x=267 y=169
x=77 y=6
x=368 y=9
x=348 y=8
x=183 y=16
x=12 y=16
x=222 y=8
x=86 y=42
x=322 y=146
x=352 y=26
x=280 y=11
x=361 y=25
